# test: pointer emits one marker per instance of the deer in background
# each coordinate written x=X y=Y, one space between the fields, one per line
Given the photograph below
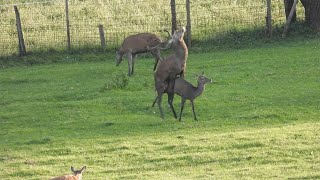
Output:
x=171 y=67
x=136 y=44
x=77 y=175
x=187 y=91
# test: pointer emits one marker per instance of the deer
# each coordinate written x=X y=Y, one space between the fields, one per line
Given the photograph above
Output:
x=77 y=175
x=189 y=92
x=169 y=68
x=137 y=44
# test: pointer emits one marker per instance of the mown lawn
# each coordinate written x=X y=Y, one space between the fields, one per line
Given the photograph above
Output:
x=259 y=120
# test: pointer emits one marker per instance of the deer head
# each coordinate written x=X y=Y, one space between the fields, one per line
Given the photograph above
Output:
x=118 y=57
x=177 y=36
x=202 y=79
x=78 y=173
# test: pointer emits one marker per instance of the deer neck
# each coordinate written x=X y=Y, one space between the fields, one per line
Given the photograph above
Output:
x=78 y=177
x=181 y=50
x=199 y=89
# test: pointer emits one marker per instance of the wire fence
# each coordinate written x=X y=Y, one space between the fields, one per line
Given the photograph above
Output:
x=44 y=21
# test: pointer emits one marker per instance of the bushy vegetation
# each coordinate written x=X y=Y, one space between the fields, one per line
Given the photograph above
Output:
x=259 y=120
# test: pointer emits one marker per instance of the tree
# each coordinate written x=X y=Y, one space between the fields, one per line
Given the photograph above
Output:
x=312 y=13
x=287 y=7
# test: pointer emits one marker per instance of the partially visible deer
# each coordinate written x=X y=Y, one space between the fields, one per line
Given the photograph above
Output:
x=77 y=175
x=187 y=91
x=136 y=44
x=171 y=67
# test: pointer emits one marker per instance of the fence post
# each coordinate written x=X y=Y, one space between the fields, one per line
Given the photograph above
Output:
x=68 y=25
x=173 y=16
x=188 y=24
x=102 y=39
x=22 y=47
x=269 y=18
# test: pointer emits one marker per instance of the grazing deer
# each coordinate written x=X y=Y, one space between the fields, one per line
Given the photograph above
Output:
x=168 y=69
x=136 y=44
x=77 y=175
x=187 y=91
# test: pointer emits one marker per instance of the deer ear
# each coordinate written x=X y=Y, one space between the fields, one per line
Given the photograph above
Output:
x=84 y=168
x=72 y=169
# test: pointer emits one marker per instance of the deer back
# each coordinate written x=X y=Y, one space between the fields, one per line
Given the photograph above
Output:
x=138 y=43
x=184 y=89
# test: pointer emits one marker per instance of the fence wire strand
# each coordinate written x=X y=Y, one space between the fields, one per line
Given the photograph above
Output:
x=44 y=22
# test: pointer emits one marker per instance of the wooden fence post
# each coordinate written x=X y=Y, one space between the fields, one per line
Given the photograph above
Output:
x=22 y=47
x=269 y=18
x=173 y=16
x=68 y=25
x=102 y=39
x=286 y=27
x=188 y=24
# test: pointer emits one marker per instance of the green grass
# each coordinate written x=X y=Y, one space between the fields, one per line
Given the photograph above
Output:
x=259 y=120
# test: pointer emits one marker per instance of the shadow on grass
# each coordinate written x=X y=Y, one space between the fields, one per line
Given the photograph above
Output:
x=45 y=140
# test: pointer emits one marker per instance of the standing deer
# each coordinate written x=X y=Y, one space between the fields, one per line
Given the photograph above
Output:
x=187 y=91
x=136 y=44
x=77 y=175
x=168 y=69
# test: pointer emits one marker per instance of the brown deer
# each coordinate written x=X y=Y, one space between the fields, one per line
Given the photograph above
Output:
x=136 y=44
x=187 y=91
x=171 y=67
x=77 y=175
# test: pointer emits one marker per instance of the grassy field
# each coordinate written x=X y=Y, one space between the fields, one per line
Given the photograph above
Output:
x=259 y=120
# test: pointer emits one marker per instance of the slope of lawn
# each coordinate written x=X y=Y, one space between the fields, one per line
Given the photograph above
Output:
x=258 y=120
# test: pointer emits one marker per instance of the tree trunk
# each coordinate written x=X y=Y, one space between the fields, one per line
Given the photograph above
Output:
x=312 y=13
x=287 y=7
x=173 y=16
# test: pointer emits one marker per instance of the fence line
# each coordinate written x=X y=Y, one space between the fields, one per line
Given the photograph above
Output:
x=44 y=22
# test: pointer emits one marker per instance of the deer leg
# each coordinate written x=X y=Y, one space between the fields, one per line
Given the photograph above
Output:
x=129 y=64
x=154 y=102
x=194 y=114
x=171 y=96
x=133 y=61
x=182 y=106
x=182 y=74
x=170 y=100
x=159 y=104
x=155 y=64
x=160 y=86
x=156 y=54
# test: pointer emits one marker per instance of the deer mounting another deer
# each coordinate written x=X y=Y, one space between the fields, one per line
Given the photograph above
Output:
x=168 y=69
x=77 y=175
x=189 y=92
x=137 y=44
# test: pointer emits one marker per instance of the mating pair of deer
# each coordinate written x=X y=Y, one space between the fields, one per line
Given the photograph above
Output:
x=169 y=72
